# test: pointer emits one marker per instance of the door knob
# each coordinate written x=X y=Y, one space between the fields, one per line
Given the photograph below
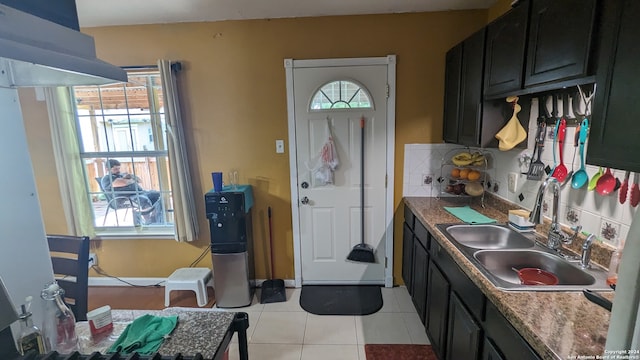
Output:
x=305 y=200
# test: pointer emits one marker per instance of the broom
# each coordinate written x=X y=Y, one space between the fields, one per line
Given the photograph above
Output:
x=362 y=252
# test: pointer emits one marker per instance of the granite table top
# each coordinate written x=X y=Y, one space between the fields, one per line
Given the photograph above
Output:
x=557 y=325
x=198 y=331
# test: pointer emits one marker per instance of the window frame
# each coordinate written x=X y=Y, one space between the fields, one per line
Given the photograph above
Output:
x=161 y=156
x=341 y=100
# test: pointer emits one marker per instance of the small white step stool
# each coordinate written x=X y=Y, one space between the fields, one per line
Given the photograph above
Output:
x=196 y=279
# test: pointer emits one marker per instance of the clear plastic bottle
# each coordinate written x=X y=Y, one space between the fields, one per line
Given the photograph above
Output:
x=59 y=322
x=614 y=264
x=30 y=337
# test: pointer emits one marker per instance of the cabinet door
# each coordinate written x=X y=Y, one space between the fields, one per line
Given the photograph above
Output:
x=505 y=337
x=452 y=77
x=560 y=37
x=407 y=257
x=504 y=52
x=62 y=12
x=471 y=92
x=490 y=352
x=420 y=268
x=613 y=138
x=437 y=309
x=463 y=340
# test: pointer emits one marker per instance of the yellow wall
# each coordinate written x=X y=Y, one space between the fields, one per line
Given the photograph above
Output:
x=499 y=8
x=234 y=94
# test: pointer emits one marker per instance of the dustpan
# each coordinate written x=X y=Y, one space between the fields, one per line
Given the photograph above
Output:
x=513 y=133
x=273 y=289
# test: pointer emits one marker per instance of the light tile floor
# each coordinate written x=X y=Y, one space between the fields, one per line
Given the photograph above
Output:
x=285 y=331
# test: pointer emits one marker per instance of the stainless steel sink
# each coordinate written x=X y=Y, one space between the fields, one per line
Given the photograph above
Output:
x=496 y=249
x=502 y=263
x=489 y=237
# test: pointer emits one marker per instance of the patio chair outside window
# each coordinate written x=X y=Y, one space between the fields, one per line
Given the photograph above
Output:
x=139 y=204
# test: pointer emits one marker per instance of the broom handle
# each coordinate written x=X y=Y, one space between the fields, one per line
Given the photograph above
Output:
x=270 y=243
x=362 y=180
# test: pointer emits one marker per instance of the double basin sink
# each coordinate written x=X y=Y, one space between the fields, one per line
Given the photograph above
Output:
x=496 y=250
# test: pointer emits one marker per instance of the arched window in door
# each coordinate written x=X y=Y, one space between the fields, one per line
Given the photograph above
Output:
x=341 y=94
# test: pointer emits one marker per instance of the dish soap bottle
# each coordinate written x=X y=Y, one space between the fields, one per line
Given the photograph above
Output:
x=30 y=337
x=59 y=322
x=614 y=264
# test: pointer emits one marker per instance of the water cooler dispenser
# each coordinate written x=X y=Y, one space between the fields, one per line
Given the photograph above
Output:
x=229 y=215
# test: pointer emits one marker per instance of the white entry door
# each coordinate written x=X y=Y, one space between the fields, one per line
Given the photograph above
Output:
x=341 y=98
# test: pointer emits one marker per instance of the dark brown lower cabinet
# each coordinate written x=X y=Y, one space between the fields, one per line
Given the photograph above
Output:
x=419 y=276
x=465 y=334
x=437 y=309
x=460 y=321
x=407 y=257
x=489 y=351
x=506 y=338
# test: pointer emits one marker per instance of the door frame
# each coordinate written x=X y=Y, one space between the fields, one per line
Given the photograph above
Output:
x=390 y=62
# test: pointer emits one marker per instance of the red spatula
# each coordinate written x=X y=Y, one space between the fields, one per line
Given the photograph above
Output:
x=560 y=172
x=635 y=191
x=624 y=188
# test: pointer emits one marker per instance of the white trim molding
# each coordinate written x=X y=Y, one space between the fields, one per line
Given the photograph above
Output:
x=137 y=281
x=390 y=62
x=140 y=281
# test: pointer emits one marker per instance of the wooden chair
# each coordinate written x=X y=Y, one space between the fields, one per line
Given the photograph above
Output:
x=70 y=260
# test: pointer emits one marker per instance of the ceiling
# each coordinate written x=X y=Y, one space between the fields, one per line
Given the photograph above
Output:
x=129 y=12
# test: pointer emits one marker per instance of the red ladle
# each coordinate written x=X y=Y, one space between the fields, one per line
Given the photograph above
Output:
x=560 y=172
x=606 y=183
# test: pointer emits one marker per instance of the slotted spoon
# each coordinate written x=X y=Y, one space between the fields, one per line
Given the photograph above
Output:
x=560 y=172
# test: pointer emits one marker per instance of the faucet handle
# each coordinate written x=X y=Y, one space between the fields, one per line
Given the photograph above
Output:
x=568 y=239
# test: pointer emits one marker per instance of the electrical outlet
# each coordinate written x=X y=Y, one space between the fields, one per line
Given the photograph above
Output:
x=93 y=260
x=279 y=146
x=513 y=182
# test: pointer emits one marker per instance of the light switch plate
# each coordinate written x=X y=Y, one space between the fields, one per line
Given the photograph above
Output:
x=280 y=146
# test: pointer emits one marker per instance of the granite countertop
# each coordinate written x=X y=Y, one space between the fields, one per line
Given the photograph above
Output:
x=198 y=331
x=557 y=325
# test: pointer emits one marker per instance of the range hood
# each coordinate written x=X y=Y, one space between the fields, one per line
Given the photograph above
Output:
x=38 y=52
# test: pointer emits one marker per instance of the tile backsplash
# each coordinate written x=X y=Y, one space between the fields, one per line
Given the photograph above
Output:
x=603 y=216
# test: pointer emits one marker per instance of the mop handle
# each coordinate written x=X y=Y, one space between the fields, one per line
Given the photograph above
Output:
x=362 y=180
x=271 y=244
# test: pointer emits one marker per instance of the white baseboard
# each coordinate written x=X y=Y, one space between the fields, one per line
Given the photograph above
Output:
x=139 y=281
x=143 y=281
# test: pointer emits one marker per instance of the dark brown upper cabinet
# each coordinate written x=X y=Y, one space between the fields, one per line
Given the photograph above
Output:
x=463 y=91
x=471 y=90
x=560 y=40
x=613 y=139
x=505 y=51
x=453 y=75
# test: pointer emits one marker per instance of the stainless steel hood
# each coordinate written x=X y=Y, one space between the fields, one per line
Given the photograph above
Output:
x=37 y=52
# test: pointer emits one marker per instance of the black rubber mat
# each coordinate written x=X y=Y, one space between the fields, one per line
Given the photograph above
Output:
x=341 y=299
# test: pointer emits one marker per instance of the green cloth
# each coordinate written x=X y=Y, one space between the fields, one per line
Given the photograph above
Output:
x=144 y=335
x=468 y=215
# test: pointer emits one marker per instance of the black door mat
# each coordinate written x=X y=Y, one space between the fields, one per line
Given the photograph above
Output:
x=341 y=299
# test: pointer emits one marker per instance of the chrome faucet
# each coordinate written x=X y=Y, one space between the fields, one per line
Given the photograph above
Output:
x=556 y=236
x=585 y=257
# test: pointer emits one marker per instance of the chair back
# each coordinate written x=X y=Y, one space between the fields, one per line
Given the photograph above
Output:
x=70 y=260
x=114 y=202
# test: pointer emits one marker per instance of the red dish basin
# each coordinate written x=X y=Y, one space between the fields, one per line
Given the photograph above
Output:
x=535 y=276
